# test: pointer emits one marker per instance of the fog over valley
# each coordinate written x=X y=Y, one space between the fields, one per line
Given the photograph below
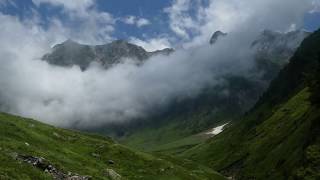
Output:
x=71 y=97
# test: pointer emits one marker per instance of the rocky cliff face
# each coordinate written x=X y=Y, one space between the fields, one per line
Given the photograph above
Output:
x=71 y=53
x=274 y=49
x=277 y=44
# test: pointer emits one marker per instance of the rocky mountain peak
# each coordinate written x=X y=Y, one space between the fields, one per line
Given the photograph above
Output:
x=274 y=49
x=165 y=51
x=71 y=53
x=70 y=41
x=279 y=38
x=216 y=35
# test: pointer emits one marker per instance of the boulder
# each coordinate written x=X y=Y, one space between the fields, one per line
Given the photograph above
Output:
x=110 y=162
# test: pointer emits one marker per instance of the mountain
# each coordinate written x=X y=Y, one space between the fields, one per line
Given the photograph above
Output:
x=274 y=49
x=71 y=53
x=178 y=128
x=33 y=150
x=216 y=35
x=280 y=137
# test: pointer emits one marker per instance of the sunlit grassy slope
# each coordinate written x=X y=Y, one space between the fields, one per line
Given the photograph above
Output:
x=273 y=149
x=84 y=154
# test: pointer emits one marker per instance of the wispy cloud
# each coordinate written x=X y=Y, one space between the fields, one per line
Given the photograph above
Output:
x=194 y=21
x=137 y=21
x=79 y=5
x=93 y=26
x=7 y=2
x=316 y=6
x=152 y=44
x=181 y=20
x=142 y=22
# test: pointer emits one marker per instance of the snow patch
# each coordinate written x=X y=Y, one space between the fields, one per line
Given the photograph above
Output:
x=217 y=130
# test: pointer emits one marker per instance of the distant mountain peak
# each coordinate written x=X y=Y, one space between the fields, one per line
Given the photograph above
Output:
x=216 y=35
x=269 y=39
x=125 y=45
x=119 y=41
x=269 y=35
x=70 y=41
x=273 y=49
x=70 y=53
x=165 y=51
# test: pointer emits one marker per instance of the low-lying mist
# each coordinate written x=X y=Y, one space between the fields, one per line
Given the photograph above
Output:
x=69 y=97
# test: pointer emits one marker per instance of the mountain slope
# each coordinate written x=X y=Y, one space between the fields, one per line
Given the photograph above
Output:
x=185 y=119
x=32 y=150
x=280 y=137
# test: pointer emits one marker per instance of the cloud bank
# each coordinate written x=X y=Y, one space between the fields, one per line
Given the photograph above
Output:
x=194 y=21
x=68 y=97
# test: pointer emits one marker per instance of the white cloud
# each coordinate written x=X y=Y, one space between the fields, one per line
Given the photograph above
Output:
x=316 y=6
x=152 y=44
x=69 y=97
x=180 y=19
x=129 y=20
x=67 y=4
x=196 y=25
x=292 y=27
x=142 y=22
x=94 y=27
x=137 y=21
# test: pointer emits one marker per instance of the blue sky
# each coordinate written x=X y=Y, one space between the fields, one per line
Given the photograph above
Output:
x=138 y=20
x=312 y=21
x=151 y=10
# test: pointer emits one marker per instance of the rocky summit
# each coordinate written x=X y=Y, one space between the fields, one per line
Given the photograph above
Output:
x=71 y=53
x=217 y=35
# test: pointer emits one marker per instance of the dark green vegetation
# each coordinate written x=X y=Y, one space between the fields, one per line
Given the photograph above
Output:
x=166 y=139
x=280 y=137
x=84 y=154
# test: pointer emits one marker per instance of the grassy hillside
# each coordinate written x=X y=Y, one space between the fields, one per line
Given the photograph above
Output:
x=269 y=150
x=280 y=137
x=166 y=139
x=73 y=152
